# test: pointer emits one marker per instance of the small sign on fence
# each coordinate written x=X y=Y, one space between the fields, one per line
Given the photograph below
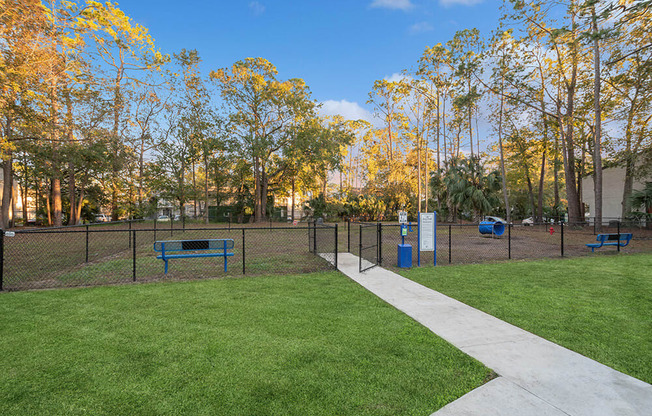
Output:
x=402 y=217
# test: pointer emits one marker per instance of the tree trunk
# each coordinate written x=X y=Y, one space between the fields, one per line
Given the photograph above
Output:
x=426 y=172
x=56 y=199
x=258 y=212
x=443 y=125
x=470 y=115
x=293 y=180
x=542 y=174
x=206 y=189
x=80 y=201
x=14 y=198
x=23 y=192
x=194 y=189
x=115 y=140
x=7 y=187
x=49 y=205
x=438 y=123
x=56 y=169
x=503 y=174
x=568 y=143
x=555 y=172
x=418 y=170
x=264 y=183
x=141 y=171
x=597 y=155
x=71 y=165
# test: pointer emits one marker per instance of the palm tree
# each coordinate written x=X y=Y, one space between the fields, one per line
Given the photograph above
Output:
x=470 y=187
x=643 y=198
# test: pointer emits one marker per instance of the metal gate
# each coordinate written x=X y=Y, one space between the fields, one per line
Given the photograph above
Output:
x=370 y=246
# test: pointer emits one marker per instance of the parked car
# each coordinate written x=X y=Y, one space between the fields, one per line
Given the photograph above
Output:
x=163 y=218
x=528 y=221
x=494 y=219
x=102 y=218
x=178 y=217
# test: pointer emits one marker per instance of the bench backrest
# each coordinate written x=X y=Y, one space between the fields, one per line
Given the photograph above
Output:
x=614 y=237
x=192 y=245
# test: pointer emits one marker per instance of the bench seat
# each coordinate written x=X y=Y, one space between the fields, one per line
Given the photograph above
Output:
x=621 y=240
x=211 y=248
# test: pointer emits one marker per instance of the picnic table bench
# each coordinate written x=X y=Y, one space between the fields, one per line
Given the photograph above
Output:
x=621 y=240
x=207 y=248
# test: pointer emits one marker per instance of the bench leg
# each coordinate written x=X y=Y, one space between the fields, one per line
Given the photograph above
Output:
x=166 y=266
x=225 y=263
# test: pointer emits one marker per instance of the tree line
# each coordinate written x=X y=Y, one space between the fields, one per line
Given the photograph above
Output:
x=554 y=89
x=94 y=115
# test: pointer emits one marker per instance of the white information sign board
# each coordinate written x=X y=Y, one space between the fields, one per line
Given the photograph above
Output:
x=402 y=217
x=427 y=231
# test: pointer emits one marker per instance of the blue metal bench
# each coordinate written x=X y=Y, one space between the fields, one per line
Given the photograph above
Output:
x=209 y=248
x=621 y=240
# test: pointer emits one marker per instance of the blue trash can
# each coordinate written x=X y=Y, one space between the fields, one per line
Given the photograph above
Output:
x=404 y=258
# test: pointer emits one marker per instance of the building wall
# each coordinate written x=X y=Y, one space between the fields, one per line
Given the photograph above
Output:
x=613 y=183
x=18 y=203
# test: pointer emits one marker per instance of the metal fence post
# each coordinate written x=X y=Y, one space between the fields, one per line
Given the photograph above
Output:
x=562 y=239
x=336 y=245
x=509 y=241
x=243 y=251
x=379 y=238
x=134 y=253
x=2 y=258
x=154 y=228
x=183 y=223
x=171 y=226
x=348 y=235
x=360 y=250
x=129 y=233
x=618 y=245
x=314 y=238
x=86 y=243
x=450 y=228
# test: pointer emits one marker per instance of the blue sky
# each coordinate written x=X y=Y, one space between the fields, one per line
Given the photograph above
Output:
x=338 y=47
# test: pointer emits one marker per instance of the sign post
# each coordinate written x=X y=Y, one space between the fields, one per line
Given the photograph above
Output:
x=427 y=235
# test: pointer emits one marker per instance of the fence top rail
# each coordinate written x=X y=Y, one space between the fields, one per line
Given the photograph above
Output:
x=91 y=224
x=161 y=230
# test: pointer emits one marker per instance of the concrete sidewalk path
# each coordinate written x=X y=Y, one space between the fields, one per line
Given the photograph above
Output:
x=538 y=377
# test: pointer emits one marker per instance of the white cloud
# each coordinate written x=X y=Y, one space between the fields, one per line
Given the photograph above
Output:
x=392 y=4
x=398 y=77
x=447 y=3
x=347 y=109
x=421 y=27
x=257 y=8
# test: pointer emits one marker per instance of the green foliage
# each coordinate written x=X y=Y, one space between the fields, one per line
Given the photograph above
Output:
x=467 y=188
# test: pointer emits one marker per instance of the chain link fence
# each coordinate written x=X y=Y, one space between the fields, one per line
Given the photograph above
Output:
x=464 y=244
x=124 y=252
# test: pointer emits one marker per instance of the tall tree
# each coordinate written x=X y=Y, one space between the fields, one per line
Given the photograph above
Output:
x=262 y=111
x=125 y=49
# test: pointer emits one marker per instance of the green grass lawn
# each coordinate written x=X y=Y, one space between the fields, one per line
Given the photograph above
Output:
x=315 y=344
x=599 y=306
